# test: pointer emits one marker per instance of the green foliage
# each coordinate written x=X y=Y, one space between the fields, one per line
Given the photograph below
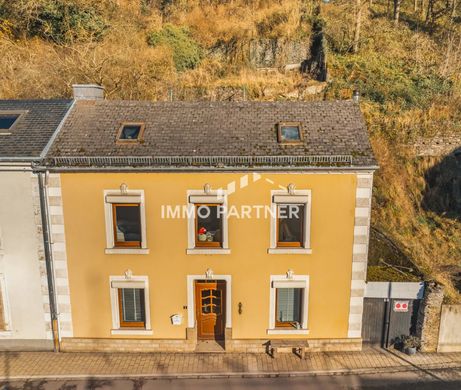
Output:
x=187 y=53
x=387 y=80
x=60 y=21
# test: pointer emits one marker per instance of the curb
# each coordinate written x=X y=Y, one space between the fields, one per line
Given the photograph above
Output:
x=230 y=375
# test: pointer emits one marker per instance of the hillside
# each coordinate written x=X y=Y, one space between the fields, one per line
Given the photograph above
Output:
x=407 y=71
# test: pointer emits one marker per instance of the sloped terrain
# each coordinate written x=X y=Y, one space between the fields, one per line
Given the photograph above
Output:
x=407 y=72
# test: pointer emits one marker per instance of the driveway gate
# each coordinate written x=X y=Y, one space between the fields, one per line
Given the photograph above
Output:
x=390 y=310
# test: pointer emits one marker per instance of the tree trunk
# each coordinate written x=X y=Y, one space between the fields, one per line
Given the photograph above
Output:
x=415 y=6
x=430 y=13
x=423 y=6
x=358 y=24
x=397 y=11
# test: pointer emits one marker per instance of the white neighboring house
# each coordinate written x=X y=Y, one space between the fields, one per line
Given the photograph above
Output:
x=27 y=129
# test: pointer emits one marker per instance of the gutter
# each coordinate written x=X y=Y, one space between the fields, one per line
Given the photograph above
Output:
x=42 y=184
x=205 y=169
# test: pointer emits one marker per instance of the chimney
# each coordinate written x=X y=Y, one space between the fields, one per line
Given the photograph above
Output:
x=88 y=92
x=356 y=96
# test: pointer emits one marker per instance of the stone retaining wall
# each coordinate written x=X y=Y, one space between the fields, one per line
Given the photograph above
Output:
x=428 y=323
x=438 y=145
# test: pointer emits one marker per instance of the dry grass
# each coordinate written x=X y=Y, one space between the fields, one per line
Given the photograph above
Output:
x=389 y=61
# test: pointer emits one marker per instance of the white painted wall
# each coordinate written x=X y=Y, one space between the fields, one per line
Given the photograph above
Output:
x=19 y=262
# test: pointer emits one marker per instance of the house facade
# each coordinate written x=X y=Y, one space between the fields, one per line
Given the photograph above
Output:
x=26 y=132
x=224 y=225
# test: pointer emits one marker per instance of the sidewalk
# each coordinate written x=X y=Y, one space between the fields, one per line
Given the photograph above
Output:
x=34 y=365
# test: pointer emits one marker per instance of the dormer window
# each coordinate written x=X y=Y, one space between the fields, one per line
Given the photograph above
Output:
x=7 y=121
x=289 y=132
x=131 y=132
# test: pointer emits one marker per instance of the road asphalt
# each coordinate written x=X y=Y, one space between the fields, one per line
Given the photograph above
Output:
x=422 y=380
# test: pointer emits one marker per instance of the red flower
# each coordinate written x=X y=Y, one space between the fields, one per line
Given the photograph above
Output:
x=202 y=230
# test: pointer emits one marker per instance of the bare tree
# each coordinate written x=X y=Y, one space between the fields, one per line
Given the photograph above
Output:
x=358 y=25
x=397 y=4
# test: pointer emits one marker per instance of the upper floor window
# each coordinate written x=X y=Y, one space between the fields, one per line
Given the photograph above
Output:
x=207 y=222
x=125 y=221
x=131 y=132
x=290 y=222
x=289 y=132
x=290 y=225
x=127 y=224
x=209 y=225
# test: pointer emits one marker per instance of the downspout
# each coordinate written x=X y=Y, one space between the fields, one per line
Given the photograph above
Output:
x=42 y=185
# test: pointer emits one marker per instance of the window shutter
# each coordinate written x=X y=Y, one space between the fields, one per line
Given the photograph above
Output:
x=123 y=198
x=291 y=199
x=206 y=199
x=126 y=284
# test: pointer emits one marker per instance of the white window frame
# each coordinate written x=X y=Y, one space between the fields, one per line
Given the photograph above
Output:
x=283 y=197
x=296 y=281
x=131 y=196
x=143 y=282
x=6 y=308
x=2 y=251
x=199 y=196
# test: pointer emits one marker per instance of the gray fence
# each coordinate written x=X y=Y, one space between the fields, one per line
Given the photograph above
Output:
x=450 y=329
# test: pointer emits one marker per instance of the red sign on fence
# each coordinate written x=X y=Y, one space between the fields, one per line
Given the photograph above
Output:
x=401 y=306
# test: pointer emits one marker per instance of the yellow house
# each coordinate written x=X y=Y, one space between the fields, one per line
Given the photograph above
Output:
x=212 y=225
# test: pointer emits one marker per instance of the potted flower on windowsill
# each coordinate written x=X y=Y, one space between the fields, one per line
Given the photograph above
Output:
x=410 y=344
x=202 y=236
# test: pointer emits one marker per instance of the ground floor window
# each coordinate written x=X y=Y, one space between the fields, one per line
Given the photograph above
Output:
x=289 y=304
x=288 y=312
x=129 y=295
x=132 y=307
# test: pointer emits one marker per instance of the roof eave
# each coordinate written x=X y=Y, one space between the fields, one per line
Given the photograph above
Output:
x=74 y=169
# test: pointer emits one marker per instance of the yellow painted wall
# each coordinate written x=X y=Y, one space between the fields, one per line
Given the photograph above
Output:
x=167 y=265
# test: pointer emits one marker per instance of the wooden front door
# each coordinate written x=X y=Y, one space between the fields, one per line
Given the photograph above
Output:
x=210 y=309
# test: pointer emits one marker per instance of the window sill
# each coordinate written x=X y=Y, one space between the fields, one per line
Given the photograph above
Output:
x=208 y=251
x=134 y=332
x=287 y=331
x=126 y=251
x=289 y=251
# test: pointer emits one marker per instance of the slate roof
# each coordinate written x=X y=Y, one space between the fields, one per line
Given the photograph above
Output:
x=35 y=127
x=213 y=129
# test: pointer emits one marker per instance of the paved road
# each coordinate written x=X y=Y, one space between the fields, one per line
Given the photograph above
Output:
x=422 y=380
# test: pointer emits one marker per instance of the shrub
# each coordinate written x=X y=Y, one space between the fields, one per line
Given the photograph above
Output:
x=385 y=81
x=58 y=20
x=187 y=53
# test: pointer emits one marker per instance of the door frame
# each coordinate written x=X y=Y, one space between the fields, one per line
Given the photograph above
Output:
x=191 y=297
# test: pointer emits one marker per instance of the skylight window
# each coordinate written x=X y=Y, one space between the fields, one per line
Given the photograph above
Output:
x=131 y=132
x=289 y=132
x=7 y=122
